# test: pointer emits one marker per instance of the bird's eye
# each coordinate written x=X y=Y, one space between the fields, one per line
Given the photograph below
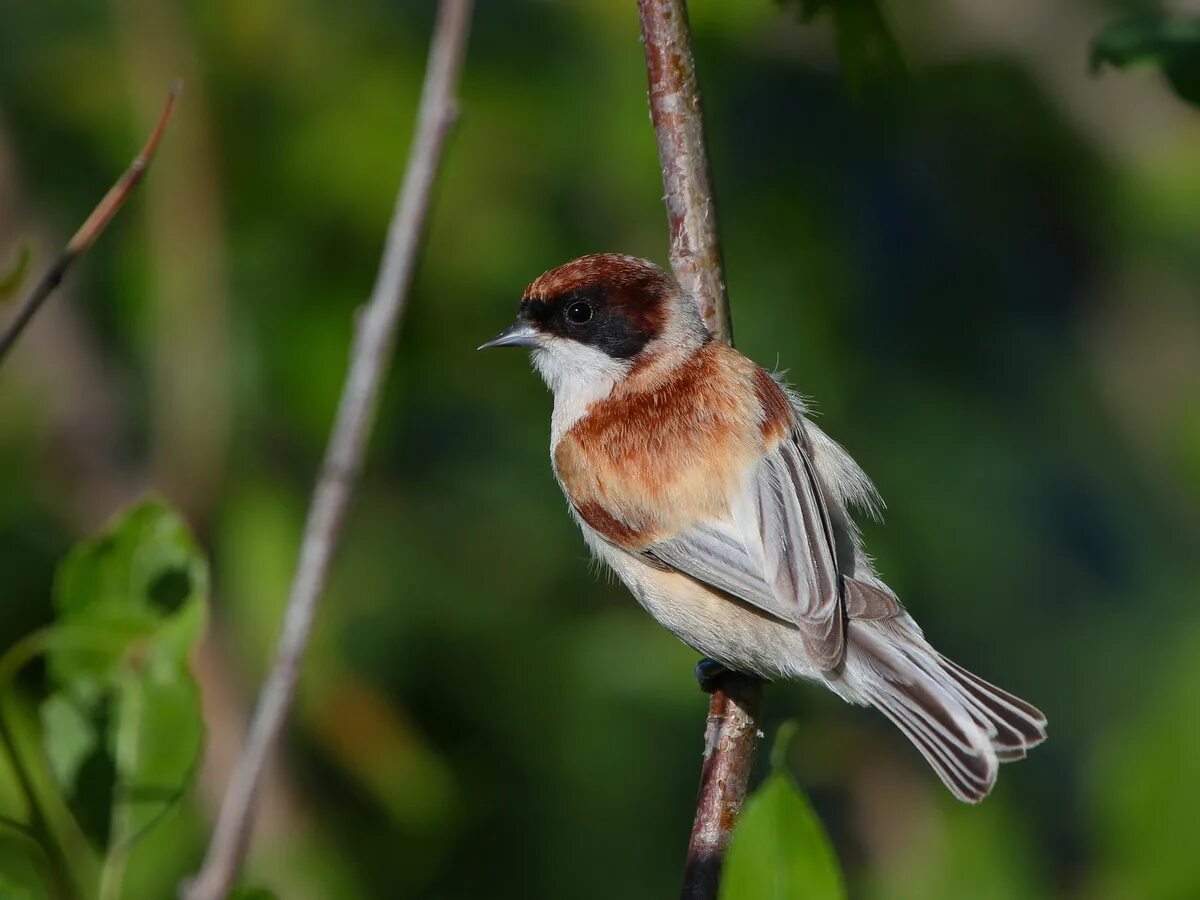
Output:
x=579 y=312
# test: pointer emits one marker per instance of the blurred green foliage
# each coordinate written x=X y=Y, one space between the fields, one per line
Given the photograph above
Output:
x=119 y=728
x=1172 y=43
x=867 y=50
x=251 y=894
x=12 y=279
x=986 y=274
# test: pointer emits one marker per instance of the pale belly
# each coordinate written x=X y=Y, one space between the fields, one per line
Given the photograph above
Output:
x=733 y=633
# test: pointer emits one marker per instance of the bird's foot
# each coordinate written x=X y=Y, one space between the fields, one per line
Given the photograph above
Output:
x=709 y=673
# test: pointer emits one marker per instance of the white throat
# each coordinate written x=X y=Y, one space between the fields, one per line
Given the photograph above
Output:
x=578 y=375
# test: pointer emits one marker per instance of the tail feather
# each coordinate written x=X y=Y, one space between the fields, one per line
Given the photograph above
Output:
x=969 y=775
x=1024 y=723
x=962 y=725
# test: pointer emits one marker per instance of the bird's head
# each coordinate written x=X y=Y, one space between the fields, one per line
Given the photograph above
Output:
x=600 y=316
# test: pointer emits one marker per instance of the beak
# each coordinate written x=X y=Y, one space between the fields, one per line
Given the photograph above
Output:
x=518 y=334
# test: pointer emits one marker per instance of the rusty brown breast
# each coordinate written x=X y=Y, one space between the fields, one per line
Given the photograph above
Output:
x=671 y=448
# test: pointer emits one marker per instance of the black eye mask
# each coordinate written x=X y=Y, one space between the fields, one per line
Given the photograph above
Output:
x=588 y=316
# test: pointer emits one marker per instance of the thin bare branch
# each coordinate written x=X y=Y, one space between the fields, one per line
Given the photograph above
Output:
x=375 y=336
x=730 y=744
x=92 y=227
x=678 y=118
x=731 y=737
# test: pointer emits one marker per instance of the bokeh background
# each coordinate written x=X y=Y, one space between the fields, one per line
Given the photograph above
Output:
x=986 y=274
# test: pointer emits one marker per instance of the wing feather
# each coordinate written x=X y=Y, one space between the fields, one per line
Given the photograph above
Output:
x=713 y=552
x=775 y=550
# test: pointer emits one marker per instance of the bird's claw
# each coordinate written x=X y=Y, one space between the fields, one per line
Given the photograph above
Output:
x=709 y=673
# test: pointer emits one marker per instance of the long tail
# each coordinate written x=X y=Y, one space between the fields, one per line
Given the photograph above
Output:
x=962 y=725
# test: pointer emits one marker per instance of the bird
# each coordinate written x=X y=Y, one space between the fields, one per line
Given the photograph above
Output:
x=701 y=480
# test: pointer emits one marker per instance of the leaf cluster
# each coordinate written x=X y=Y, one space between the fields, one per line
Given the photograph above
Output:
x=112 y=741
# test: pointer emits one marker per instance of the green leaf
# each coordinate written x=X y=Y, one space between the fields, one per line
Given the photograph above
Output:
x=11 y=281
x=866 y=47
x=123 y=728
x=158 y=735
x=1172 y=43
x=24 y=873
x=780 y=850
x=69 y=738
x=138 y=591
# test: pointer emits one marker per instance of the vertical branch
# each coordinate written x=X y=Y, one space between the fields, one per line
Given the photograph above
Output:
x=370 y=355
x=678 y=119
x=730 y=742
x=732 y=731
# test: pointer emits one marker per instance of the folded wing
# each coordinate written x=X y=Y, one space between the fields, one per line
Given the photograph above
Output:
x=775 y=550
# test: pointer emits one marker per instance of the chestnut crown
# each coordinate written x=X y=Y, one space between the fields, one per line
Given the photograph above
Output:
x=614 y=303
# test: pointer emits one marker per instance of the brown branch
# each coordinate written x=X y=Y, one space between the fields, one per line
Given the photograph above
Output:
x=678 y=119
x=91 y=229
x=731 y=735
x=730 y=742
x=375 y=335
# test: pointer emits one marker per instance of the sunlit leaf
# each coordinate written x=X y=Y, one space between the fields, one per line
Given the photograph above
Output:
x=139 y=590
x=780 y=850
x=69 y=738
x=1172 y=43
x=124 y=725
x=158 y=735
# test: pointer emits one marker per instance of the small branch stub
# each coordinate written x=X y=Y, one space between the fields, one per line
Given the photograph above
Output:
x=91 y=228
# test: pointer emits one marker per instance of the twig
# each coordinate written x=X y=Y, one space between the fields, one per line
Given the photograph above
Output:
x=678 y=121
x=730 y=742
x=92 y=227
x=733 y=713
x=375 y=336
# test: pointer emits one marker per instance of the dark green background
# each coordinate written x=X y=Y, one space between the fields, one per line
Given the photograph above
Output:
x=986 y=275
